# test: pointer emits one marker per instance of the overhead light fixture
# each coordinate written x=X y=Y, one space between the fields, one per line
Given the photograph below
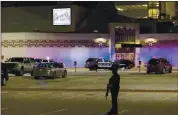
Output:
x=145 y=5
x=120 y=9
x=100 y=40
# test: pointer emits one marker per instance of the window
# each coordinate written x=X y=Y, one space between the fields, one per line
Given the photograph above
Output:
x=153 y=13
x=106 y=60
x=153 y=61
x=100 y=60
x=45 y=61
x=32 y=60
x=16 y=60
x=49 y=65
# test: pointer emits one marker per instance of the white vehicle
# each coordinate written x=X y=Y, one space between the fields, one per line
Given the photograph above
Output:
x=99 y=63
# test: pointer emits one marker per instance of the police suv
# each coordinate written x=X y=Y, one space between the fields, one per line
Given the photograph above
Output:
x=97 y=63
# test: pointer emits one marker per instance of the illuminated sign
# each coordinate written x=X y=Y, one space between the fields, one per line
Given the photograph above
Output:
x=62 y=16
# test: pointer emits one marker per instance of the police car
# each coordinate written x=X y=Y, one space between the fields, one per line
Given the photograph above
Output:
x=98 y=63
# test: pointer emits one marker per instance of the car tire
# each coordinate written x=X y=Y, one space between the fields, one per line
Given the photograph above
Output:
x=3 y=81
x=35 y=77
x=170 y=71
x=65 y=74
x=31 y=73
x=20 y=73
x=163 y=71
x=54 y=76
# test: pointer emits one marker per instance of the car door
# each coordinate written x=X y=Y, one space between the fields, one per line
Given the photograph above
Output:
x=61 y=68
x=26 y=65
x=107 y=63
x=32 y=63
x=167 y=65
x=56 y=69
x=100 y=63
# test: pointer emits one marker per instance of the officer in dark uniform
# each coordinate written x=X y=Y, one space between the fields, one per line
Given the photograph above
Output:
x=114 y=87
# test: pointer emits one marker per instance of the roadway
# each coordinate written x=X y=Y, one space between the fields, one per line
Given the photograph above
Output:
x=82 y=93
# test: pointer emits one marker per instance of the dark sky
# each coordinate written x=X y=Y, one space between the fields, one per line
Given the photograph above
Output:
x=49 y=3
x=45 y=3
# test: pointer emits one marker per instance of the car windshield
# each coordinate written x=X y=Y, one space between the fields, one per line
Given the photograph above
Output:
x=154 y=61
x=123 y=61
x=45 y=60
x=16 y=60
x=91 y=59
x=49 y=65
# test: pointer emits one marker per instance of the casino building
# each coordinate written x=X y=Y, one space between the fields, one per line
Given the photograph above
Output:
x=30 y=32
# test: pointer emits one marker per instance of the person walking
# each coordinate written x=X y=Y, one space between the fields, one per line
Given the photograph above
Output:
x=113 y=86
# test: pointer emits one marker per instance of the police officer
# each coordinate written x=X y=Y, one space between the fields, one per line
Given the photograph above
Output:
x=113 y=87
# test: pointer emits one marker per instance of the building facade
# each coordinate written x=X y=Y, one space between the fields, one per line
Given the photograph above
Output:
x=150 y=9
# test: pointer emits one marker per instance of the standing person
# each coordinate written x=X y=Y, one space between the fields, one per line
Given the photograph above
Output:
x=113 y=87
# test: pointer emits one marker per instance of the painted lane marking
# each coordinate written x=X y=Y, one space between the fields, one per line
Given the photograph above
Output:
x=4 y=92
x=123 y=111
x=53 y=112
x=168 y=97
x=4 y=108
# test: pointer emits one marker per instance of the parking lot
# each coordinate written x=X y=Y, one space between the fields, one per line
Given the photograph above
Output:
x=83 y=92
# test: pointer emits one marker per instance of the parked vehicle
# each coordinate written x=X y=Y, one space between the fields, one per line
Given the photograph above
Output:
x=20 y=65
x=4 y=75
x=97 y=63
x=159 y=65
x=46 y=60
x=126 y=64
x=50 y=69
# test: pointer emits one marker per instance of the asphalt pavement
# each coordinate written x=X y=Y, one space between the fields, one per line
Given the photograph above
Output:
x=86 y=103
x=83 y=94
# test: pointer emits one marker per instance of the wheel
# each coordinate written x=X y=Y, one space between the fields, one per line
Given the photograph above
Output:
x=35 y=77
x=170 y=71
x=20 y=73
x=65 y=74
x=123 y=68
x=163 y=71
x=32 y=73
x=148 y=72
x=54 y=76
x=3 y=81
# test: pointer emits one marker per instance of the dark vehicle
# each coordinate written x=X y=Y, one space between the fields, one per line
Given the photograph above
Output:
x=20 y=65
x=159 y=65
x=4 y=75
x=50 y=69
x=126 y=64
x=97 y=63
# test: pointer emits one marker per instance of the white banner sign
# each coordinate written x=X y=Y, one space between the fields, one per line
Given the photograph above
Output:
x=62 y=16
